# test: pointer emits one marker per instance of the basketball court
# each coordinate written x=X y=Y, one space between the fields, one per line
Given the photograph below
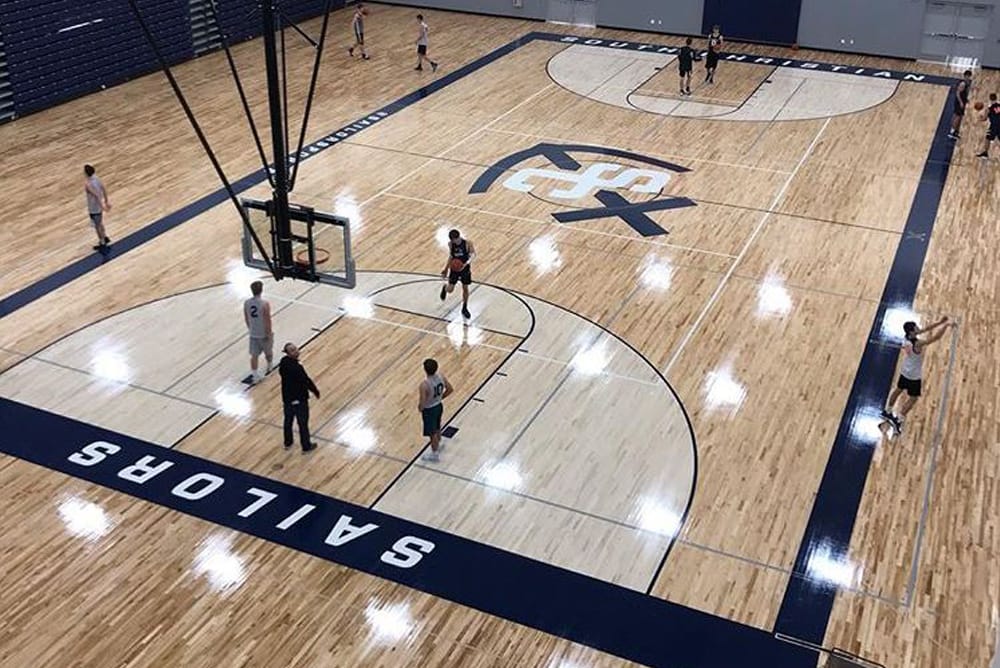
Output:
x=664 y=439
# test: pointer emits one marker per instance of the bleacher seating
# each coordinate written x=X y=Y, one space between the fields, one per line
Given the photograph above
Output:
x=57 y=50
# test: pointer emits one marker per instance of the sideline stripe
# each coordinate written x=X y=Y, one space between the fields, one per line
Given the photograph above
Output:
x=808 y=602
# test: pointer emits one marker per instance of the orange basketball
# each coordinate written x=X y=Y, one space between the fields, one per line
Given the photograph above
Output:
x=456 y=264
x=978 y=106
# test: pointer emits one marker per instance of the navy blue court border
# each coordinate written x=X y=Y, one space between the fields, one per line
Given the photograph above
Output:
x=607 y=617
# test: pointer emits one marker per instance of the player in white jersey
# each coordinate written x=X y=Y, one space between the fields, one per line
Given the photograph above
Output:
x=422 y=42
x=97 y=205
x=433 y=390
x=911 y=369
x=358 y=24
x=257 y=315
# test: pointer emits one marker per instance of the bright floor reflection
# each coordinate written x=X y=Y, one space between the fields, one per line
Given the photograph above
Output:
x=503 y=476
x=353 y=430
x=658 y=517
x=461 y=334
x=233 y=403
x=217 y=563
x=389 y=622
x=83 y=518
x=358 y=307
x=773 y=299
x=590 y=361
x=239 y=277
x=657 y=274
x=829 y=566
x=892 y=321
x=722 y=390
x=865 y=426
x=108 y=363
x=544 y=255
x=441 y=236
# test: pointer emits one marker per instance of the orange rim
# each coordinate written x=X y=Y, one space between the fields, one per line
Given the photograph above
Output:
x=302 y=257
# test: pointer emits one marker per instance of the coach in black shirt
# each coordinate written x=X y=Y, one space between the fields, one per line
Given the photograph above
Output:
x=295 y=388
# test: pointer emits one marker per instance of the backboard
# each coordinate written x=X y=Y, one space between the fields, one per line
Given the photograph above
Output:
x=321 y=243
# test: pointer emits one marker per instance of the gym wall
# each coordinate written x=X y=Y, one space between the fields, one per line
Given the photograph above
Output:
x=57 y=50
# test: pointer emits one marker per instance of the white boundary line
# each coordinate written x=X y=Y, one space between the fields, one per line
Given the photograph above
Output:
x=746 y=247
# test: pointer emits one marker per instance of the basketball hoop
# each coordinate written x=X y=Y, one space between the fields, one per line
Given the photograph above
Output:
x=302 y=257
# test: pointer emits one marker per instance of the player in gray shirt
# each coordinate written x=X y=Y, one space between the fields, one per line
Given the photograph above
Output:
x=422 y=42
x=97 y=204
x=257 y=315
x=358 y=24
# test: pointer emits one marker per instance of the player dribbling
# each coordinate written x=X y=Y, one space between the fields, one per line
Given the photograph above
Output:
x=461 y=253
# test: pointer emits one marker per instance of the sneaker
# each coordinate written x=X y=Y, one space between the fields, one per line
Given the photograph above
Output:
x=288 y=446
x=897 y=424
x=687 y=92
x=444 y=292
x=887 y=414
x=954 y=135
x=351 y=51
x=466 y=314
x=434 y=67
x=431 y=456
x=98 y=247
x=984 y=155
x=418 y=68
x=365 y=56
x=107 y=241
x=309 y=447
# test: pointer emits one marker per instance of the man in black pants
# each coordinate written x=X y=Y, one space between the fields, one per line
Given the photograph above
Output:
x=685 y=63
x=959 y=103
x=295 y=388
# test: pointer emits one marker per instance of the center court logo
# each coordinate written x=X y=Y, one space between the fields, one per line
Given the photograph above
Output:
x=603 y=180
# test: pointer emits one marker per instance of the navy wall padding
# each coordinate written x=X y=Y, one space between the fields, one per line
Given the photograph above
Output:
x=61 y=49
x=58 y=50
x=773 y=21
x=240 y=19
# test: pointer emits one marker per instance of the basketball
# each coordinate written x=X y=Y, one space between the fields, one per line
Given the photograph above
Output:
x=978 y=106
x=456 y=264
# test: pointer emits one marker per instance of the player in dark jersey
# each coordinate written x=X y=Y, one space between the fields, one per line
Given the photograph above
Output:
x=961 y=101
x=462 y=250
x=715 y=42
x=992 y=116
x=685 y=64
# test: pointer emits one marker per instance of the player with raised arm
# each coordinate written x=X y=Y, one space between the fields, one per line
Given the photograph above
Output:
x=911 y=369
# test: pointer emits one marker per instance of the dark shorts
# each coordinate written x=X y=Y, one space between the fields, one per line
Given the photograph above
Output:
x=96 y=219
x=465 y=276
x=422 y=49
x=360 y=37
x=959 y=109
x=711 y=60
x=993 y=134
x=432 y=419
x=911 y=386
x=685 y=69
